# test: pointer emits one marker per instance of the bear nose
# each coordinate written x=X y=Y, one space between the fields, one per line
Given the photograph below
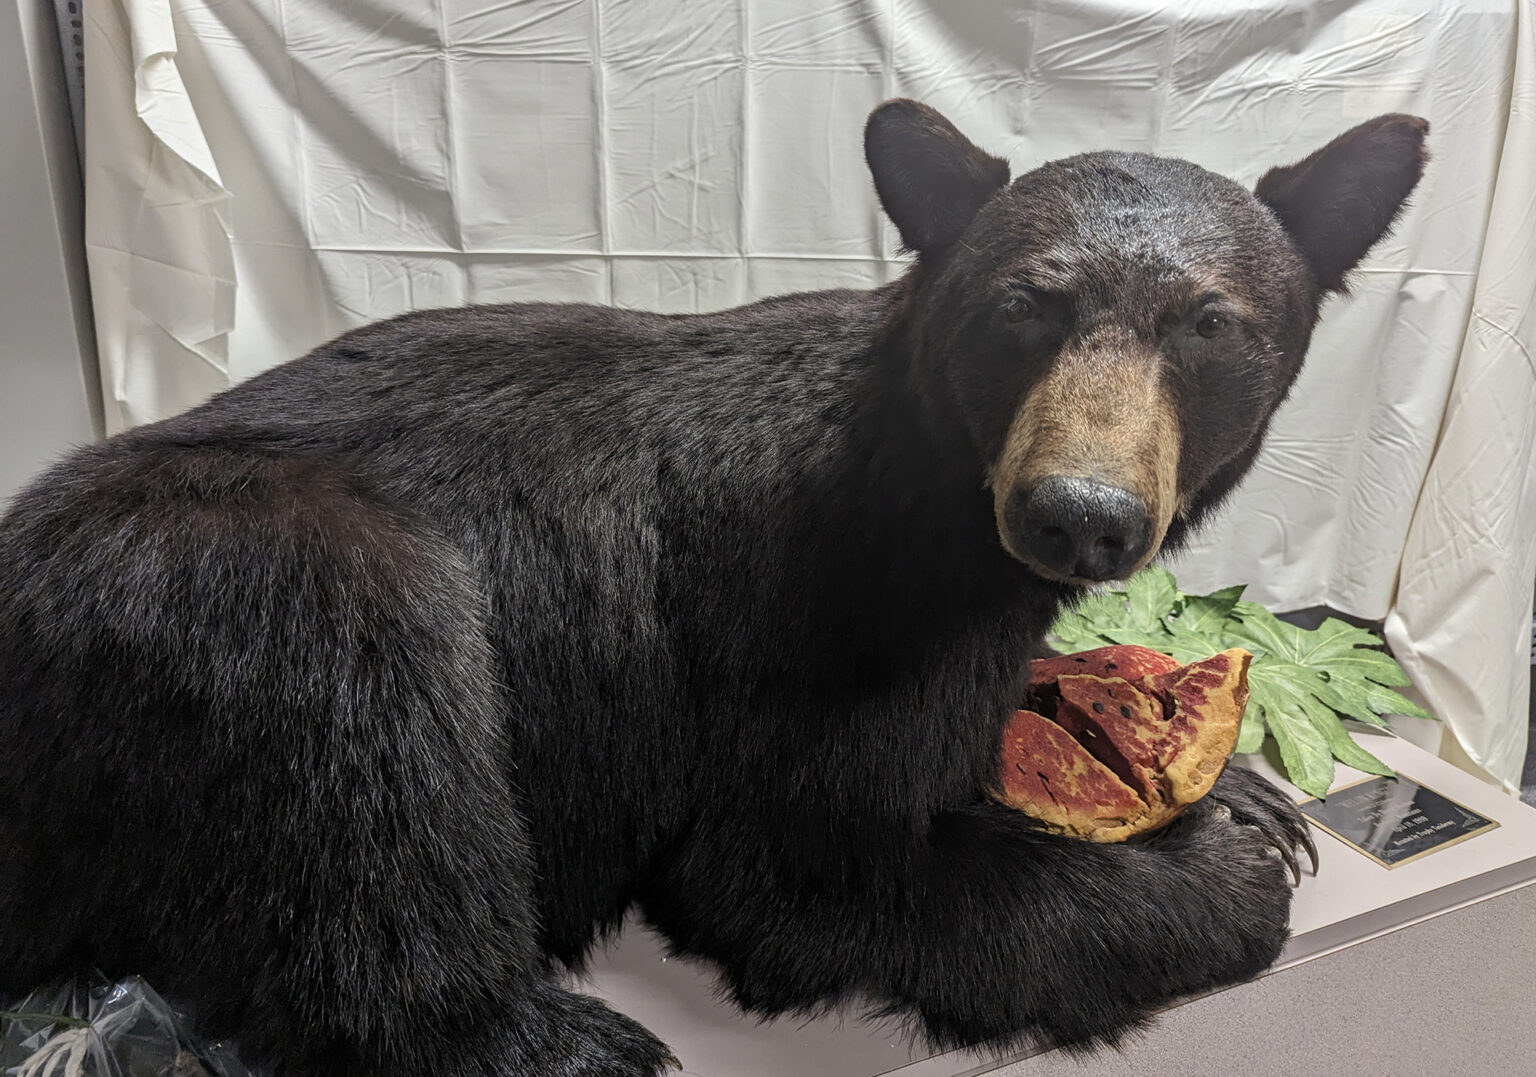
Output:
x=1081 y=528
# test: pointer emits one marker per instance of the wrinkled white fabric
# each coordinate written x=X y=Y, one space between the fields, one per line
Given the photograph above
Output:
x=263 y=174
x=157 y=229
x=1464 y=592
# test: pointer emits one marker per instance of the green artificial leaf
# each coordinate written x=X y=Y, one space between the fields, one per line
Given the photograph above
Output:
x=1313 y=678
x=1261 y=631
x=1150 y=595
x=1250 y=736
x=1199 y=627
x=1105 y=607
x=1186 y=651
x=1079 y=627
x=1304 y=750
x=1208 y=613
x=1386 y=701
x=1299 y=699
x=1353 y=653
x=1136 y=637
x=1302 y=683
x=1187 y=647
x=1348 y=699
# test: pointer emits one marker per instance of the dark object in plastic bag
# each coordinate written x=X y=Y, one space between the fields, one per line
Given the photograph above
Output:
x=101 y=1029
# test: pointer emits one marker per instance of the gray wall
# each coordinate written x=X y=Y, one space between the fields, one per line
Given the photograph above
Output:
x=50 y=397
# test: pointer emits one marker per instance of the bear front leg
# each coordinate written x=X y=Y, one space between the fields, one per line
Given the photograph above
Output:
x=1105 y=935
x=984 y=929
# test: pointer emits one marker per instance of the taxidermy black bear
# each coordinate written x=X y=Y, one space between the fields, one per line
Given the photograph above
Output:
x=349 y=706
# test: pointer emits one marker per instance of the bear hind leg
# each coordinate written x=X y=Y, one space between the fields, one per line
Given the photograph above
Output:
x=261 y=759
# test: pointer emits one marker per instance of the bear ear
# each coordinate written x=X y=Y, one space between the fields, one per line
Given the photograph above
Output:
x=931 y=179
x=1338 y=202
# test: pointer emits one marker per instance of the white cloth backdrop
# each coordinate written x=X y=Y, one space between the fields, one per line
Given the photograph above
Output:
x=263 y=174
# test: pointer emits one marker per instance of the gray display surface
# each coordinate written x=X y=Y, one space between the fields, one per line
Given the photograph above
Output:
x=1326 y=983
x=1446 y=997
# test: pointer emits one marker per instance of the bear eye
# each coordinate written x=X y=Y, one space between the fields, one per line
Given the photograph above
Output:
x=1020 y=308
x=1211 y=325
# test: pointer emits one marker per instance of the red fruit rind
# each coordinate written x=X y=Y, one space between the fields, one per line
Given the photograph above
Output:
x=1064 y=786
x=1122 y=739
x=1126 y=662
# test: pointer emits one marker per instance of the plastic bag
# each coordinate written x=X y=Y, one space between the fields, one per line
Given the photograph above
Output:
x=100 y=1029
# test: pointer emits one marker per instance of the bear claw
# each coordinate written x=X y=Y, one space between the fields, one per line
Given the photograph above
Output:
x=1293 y=865
x=1255 y=805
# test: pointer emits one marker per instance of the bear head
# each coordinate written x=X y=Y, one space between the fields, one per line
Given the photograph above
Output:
x=1112 y=332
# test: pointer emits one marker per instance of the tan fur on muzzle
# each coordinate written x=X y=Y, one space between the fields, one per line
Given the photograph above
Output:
x=1104 y=414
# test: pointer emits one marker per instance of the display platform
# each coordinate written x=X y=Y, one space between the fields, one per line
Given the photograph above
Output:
x=1418 y=857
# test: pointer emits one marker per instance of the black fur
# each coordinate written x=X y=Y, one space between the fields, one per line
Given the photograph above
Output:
x=930 y=178
x=343 y=705
x=1339 y=201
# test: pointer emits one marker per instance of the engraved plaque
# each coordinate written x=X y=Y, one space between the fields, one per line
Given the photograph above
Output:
x=1394 y=820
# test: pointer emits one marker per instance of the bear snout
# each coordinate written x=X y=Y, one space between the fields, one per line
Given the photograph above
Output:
x=1080 y=529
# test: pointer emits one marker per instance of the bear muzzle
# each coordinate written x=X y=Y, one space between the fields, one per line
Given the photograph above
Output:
x=1086 y=482
x=1077 y=528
